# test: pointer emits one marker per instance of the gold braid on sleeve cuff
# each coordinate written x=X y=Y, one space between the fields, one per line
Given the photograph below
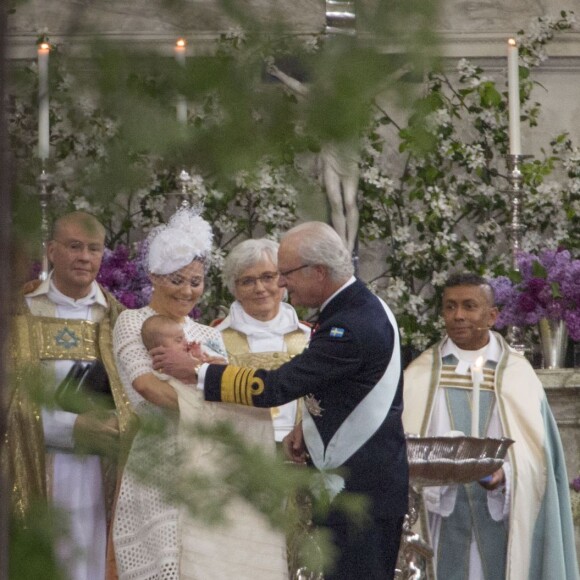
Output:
x=239 y=385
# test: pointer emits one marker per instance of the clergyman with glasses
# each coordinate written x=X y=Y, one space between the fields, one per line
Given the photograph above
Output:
x=56 y=451
x=260 y=329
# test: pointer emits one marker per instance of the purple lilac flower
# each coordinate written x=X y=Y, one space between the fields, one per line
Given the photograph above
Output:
x=572 y=318
x=125 y=277
x=526 y=303
x=575 y=484
x=552 y=291
x=502 y=289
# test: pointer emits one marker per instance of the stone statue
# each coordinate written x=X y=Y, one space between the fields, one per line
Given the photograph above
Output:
x=338 y=170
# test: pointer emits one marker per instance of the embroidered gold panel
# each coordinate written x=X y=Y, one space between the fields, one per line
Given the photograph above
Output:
x=58 y=338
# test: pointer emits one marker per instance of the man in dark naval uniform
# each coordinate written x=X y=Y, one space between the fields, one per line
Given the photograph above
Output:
x=351 y=378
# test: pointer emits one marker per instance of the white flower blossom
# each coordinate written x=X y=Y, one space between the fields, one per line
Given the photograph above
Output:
x=396 y=289
x=81 y=204
x=415 y=304
x=472 y=249
x=401 y=233
x=572 y=160
x=372 y=231
x=438 y=278
x=475 y=156
x=436 y=119
x=573 y=185
x=490 y=117
x=224 y=224
x=465 y=68
x=420 y=341
x=217 y=258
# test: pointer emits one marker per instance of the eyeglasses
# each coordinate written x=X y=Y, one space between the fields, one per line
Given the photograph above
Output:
x=76 y=247
x=267 y=279
x=288 y=272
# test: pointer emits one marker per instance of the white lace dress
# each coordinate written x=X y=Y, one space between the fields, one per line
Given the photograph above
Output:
x=148 y=531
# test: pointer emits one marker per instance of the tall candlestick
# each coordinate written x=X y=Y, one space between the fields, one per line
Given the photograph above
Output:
x=43 y=118
x=181 y=105
x=476 y=379
x=514 y=98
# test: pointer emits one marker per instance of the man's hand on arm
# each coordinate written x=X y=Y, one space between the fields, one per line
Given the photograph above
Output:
x=176 y=363
x=182 y=365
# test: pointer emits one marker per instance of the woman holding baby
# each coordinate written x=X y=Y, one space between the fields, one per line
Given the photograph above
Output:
x=153 y=537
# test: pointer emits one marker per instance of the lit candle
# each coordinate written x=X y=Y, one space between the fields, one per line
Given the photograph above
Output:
x=181 y=105
x=43 y=119
x=180 y=47
x=514 y=98
x=476 y=379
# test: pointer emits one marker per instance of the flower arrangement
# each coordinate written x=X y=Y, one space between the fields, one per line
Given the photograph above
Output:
x=546 y=285
x=124 y=277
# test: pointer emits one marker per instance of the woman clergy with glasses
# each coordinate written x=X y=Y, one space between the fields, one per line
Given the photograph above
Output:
x=261 y=330
x=152 y=536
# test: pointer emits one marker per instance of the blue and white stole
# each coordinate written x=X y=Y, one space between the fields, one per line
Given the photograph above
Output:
x=470 y=515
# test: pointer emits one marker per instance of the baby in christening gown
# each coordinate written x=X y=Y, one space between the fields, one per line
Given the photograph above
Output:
x=213 y=552
x=163 y=331
x=159 y=330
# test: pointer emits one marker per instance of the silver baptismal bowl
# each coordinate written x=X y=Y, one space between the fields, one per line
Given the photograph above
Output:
x=446 y=460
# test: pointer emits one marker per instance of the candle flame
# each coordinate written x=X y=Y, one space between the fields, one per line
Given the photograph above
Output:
x=44 y=46
x=512 y=42
x=181 y=43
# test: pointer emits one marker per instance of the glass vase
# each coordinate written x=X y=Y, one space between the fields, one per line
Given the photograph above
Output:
x=553 y=340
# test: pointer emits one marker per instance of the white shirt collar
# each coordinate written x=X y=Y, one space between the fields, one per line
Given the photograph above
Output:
x=492 y=351
x=350 y=281
x=48 y=288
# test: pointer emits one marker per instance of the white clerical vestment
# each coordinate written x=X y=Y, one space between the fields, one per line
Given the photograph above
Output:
x=269 y=336
x=440 y=501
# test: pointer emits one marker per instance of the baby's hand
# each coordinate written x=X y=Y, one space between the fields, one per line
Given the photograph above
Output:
x=194 y=349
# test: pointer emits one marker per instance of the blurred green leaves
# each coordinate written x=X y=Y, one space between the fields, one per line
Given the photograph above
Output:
x=138 y=89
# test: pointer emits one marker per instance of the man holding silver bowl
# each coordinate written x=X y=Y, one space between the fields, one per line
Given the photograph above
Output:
x=516 y=523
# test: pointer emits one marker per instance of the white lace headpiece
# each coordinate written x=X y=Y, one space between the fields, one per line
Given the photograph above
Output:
x=172 y=246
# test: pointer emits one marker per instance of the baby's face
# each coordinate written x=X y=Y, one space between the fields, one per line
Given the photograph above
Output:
x=173 y=338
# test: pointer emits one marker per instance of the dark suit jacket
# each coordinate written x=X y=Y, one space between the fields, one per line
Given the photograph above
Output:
x=338 y=369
